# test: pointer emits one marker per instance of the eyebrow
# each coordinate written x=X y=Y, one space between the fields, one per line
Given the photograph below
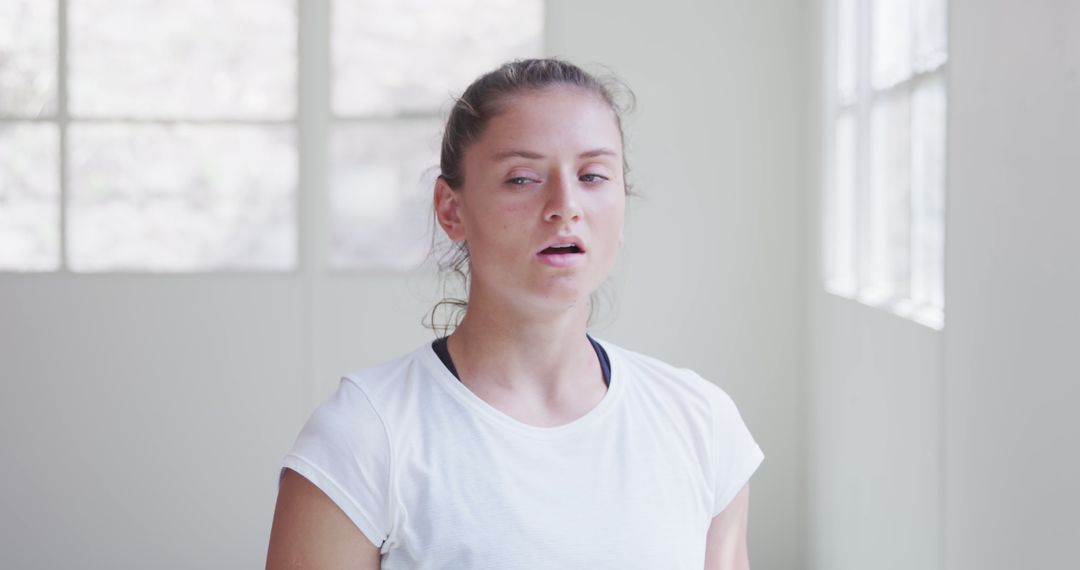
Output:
x=528 y=154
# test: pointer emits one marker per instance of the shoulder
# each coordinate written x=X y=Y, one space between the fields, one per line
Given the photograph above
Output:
x=667 y=381
x=386 y=382
x=679 y=397
x=356 y=411
x=671 y=398
x=344 y=450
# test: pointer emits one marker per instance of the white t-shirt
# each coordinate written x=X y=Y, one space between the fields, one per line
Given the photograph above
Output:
x=438 y=478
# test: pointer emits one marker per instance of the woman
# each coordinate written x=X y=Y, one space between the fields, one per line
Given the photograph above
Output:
x=519 y=441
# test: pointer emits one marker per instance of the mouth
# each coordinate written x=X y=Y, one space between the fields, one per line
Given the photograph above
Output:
x=561 y=250
x=567 y=244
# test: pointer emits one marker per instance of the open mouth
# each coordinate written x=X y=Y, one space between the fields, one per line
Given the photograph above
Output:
x=555 y=250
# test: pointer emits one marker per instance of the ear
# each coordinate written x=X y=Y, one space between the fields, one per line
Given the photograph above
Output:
x=448 y=210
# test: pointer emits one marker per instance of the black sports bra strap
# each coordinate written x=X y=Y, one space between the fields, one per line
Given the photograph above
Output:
x=439 y=346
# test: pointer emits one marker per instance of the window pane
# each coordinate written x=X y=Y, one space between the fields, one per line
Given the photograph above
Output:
x=846 y=48
x=892 y=32
x=930 y=46
x=29 y=197
x=401 y=56
x=181 y=198
x=928 y=192
x=382 y=176
x=887 y=252
x=183 y=58
x=28 y=58
x=840 y=210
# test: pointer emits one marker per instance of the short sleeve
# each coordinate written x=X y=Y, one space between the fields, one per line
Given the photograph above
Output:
x=737 y=454
x=344 y=450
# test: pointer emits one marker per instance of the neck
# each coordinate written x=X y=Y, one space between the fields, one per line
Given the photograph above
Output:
x=501 y=345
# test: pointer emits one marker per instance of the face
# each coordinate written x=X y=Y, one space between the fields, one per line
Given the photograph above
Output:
x=547 y=171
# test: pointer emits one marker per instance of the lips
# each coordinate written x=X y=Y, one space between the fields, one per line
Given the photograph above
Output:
x=562 y=252
x=563 y=245
x=561 y=249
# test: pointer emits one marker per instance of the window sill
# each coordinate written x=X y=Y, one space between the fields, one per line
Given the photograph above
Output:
x=926 y=315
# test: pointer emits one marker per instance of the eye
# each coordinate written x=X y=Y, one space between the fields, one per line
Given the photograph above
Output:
x=592 y=178
x=519 y=181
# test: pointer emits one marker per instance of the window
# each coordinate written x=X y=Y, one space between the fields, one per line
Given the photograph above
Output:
x=163 y=135
x=884 y=204
x=152 y=136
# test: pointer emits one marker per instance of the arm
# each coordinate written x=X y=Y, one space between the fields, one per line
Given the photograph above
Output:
x=725 y=543
x=311 y=532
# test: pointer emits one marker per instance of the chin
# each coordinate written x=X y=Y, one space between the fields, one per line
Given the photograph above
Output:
x=565 y=298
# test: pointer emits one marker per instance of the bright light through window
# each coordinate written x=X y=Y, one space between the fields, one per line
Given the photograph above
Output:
x=164 y=135
x=153 y=135
x=885 y=193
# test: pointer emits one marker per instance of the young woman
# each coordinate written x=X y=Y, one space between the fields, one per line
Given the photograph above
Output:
x=520 y=441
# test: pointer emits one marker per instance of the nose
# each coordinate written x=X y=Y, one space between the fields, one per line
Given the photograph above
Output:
x=563 y=201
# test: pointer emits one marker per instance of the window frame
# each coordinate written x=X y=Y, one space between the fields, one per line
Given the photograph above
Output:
x=848 y=277
x=314 y=121
x=63 y=120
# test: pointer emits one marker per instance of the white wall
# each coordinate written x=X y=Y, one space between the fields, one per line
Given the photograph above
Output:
x=874 y=405
x=1012 y=339
x=875 y=439
x=957 y=450
x=142 y=418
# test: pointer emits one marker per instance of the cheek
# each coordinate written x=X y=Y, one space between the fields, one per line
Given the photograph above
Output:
x=494 y=227
x=509 y=215
x=610 y=214
x=517 y=206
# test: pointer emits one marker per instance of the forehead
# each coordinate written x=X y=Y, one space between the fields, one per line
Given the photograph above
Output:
x=558 y=118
